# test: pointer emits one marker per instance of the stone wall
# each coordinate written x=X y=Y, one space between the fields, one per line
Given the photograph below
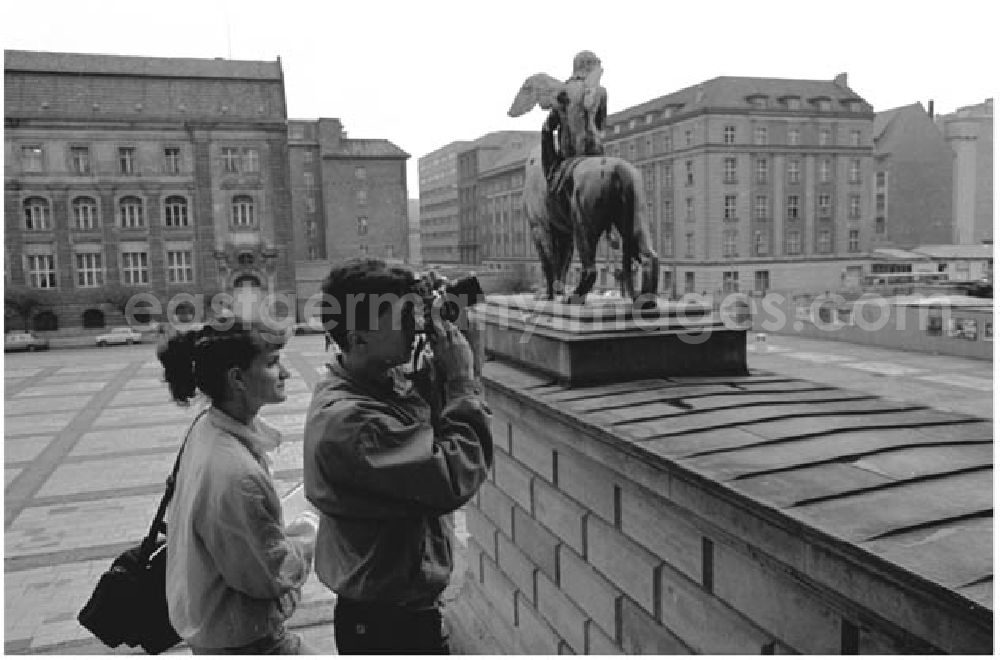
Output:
x=582 y=543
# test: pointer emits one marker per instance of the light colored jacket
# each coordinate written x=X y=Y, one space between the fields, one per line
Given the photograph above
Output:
x=384 y=472
x=233 y=574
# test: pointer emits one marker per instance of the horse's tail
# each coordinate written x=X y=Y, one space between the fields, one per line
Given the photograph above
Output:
x=625 y=188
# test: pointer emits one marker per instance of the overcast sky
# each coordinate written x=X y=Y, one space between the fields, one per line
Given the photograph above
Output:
x=426 y=72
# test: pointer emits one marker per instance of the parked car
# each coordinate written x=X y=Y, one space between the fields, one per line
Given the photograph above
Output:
x=120 y=335
x=24 y=341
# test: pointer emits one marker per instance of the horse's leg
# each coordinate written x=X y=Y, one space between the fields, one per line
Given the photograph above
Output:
x=562 y=256
x=586 y=236
x=543 y=245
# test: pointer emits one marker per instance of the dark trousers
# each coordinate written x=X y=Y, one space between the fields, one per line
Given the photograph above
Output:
x=379 y=628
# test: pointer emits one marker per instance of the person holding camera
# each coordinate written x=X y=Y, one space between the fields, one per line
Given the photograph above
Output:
x=385 y=465
x=234 y=570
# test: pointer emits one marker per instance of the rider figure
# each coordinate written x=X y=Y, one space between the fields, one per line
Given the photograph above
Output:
x=578 y=132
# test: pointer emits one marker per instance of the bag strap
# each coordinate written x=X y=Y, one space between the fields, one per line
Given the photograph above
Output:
x=149 y=542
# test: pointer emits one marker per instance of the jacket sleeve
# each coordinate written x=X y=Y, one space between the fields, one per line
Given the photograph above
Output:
x=369 y=450
x=244 y=536
x=600 y=117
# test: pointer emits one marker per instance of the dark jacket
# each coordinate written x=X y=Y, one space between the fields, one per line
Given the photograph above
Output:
x=384 y=472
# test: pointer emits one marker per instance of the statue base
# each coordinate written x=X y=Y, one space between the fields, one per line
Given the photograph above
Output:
x=607 y=339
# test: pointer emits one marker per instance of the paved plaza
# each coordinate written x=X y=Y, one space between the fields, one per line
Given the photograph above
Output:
x=89 y=438
x=90 y=435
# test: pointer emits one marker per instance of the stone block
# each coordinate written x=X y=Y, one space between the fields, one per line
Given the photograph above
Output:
x=517 y=566
x=497 y=506
x=624 y=562
x=663 y=529
x=563 y=615
x=705 y=623
x=537 y=542
x=588 y=482
x=776 y=602
x=500 y=590
x=588 y=589
x=599 y=643
x=641 y=634
x=560 y=514
x=513 y=479
x=482 y=530
x=534 y=451
x=537 y=637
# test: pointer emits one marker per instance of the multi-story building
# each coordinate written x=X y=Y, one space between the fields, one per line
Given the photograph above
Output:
x=969 y=130
x=448 y=227
x=481 y=155
x=439 y=204
x=754 y=184
x=349 y=199
x=168 y=175
x=913 y=179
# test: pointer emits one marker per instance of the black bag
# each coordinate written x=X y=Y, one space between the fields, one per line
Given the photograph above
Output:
x=129 y=603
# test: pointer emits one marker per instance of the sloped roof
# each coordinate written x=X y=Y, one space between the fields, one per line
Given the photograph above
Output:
x=885 y=118
x=173 y=67
x=955 y=251
x=374 y=148
x=733 y=91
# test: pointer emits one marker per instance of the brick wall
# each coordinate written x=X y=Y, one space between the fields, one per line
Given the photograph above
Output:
x=579 y=547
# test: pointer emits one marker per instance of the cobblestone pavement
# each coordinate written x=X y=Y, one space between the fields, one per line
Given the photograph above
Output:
x=90 y=434
x=89 y=438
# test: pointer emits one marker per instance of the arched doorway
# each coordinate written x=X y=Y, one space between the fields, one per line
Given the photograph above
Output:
x=45 y=321
x=93 y=318
x=246 y=292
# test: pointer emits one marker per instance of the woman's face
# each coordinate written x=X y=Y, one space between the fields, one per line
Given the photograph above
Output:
x=265 y=377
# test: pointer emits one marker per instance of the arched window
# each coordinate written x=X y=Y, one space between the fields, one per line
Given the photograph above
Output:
x=130 y=214
x=84 y=213
x=93 y=318
x=45 y=321
x=175 y=211
x=36 y=214
x=243 y=215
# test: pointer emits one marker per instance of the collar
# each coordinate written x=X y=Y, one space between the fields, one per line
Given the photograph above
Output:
x=393 y=380
x=259 y=436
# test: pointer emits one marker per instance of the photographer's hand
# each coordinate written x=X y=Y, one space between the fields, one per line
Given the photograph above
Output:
x=452 y=353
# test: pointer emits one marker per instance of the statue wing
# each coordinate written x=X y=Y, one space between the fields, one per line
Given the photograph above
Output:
x=540 y=89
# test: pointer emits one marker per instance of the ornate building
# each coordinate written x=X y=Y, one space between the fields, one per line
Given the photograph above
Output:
x=754 y=184
x=163 y=175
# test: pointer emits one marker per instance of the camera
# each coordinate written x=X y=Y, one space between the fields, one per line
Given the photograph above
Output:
x=463 y=292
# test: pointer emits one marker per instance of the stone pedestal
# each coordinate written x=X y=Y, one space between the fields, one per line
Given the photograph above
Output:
x=608 y=339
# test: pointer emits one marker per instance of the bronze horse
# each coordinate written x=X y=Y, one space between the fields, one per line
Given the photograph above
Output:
x=603 y=192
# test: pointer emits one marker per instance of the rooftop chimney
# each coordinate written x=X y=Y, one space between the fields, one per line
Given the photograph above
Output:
x=930 y=108
x=841 y=79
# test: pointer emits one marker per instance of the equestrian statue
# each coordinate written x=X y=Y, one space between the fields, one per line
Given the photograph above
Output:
x=573 y=193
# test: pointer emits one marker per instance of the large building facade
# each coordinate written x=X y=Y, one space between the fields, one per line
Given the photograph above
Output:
x=913 y=179
x=163 y=175
x=754 y=184
x=350 y=194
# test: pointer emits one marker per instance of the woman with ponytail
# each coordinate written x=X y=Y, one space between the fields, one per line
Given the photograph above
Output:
x=234 y=570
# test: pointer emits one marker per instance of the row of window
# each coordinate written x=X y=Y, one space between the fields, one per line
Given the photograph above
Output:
x=89 y=268
x=761 y=208
x=649 y=145
x=762 y=168
x=761 y=243
x=234 y=160
x=131 y=212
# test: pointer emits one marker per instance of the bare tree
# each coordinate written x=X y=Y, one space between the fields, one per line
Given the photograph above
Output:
x=25 y=301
